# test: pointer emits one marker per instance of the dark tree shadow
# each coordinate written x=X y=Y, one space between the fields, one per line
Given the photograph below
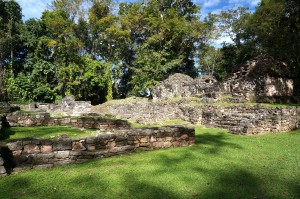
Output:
x=9 y=162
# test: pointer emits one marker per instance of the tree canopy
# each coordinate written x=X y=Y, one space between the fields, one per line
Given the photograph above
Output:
x=99 y=49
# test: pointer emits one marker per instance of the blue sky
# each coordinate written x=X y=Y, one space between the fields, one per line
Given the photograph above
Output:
x=34 y=8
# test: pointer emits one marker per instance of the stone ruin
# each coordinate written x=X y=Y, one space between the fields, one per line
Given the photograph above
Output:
x=196 y=100
x=260 y=77
x=180 y=85
x=253 y=80
x=67 y=107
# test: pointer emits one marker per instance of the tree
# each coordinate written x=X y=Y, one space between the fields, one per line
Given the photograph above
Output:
x=210 y=61
x=164 y=37
x=10 y=18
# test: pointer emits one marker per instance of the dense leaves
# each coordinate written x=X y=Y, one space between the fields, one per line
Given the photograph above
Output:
x=99 y=49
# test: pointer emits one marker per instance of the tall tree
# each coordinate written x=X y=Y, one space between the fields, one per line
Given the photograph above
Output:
x=10 y=18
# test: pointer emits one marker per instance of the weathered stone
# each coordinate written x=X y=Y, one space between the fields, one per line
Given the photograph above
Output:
x=169 y=138
x=63 y=162
x=78 y=146
x=45 y=156
x=111 y=144
x=32 y=148
x=167 y=144
x=60 y=145
x=17 y=153
x=152 y=139
x=184 y=136
x=180 y=85
x=62 y=154
x=144 y=140
x=46 y=148
x=176 y=144
x=2 y=170
x=91 y=147
x=29 y=122
x=91 y=140
x=1 y=161
x=15 y=145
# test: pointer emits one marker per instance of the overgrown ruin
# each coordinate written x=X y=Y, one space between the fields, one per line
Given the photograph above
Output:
x=230 y=104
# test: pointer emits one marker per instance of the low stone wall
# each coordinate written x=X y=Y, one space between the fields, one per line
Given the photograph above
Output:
x=43 y=119
x=41 y=153
x=252 y=119
x=240 y=119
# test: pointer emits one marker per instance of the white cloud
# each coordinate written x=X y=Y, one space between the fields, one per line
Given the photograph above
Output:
x=33 y=8
x=218 y=43
x=210 y=3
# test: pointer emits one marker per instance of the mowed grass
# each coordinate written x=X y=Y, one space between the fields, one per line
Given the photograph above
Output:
x=48 y=132
x=220 y=165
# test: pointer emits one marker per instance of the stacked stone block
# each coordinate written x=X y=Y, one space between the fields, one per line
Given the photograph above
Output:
x=44 y=119
x=41 y=153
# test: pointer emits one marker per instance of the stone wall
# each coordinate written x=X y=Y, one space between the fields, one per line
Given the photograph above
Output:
x=152 y=112
x=252 y=119
x=40 y=153
x=44 y=119
x=241 y=119
x=278 y=86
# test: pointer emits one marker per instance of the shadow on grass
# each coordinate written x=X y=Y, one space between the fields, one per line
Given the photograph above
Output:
x=6 y=133
x=171 y=166
x=213 y=143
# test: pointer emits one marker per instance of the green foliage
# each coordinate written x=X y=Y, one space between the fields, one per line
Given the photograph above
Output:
x=86 y=49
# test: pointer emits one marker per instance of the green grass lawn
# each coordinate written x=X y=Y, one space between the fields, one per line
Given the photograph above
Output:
x=220 y=165
x=49 y=132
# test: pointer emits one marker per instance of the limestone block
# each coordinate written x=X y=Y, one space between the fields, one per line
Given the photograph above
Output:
x=62 y=144
x=167 y=144
x=63 y=162
x=184 y=136
x=18 y=145
x=91 y=140
x=46 y=148
x=144 y=140
x=78 y=146
x=2 y=170
x=62 y=154
x=17 y=153
x=32 y=148
x=91 y=147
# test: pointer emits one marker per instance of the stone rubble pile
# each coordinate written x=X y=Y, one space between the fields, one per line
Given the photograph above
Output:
x=67 y=107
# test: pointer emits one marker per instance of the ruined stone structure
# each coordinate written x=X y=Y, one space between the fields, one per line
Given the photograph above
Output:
x=252 y=81
x=239 y=119
x=41 y=153
x=180 y=85
x=67 y=107
x=259 y=77
x=44 y=119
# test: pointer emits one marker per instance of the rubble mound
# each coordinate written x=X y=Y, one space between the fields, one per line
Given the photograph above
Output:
x=180 y=85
